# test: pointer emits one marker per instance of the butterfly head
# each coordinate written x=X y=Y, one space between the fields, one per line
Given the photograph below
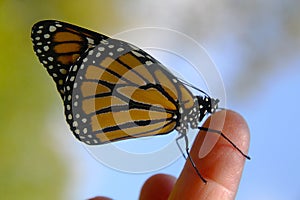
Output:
x=214 y=105
x=207 y=105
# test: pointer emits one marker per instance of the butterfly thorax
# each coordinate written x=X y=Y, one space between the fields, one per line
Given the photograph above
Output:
x=203 y=105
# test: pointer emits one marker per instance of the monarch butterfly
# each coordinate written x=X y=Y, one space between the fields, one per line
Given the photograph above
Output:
x=113 y=91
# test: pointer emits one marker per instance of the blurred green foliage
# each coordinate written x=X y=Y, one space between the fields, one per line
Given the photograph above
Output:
x=30 y=168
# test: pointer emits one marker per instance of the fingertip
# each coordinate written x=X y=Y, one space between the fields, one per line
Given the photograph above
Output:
x=100 y=198
x=216 y=159
x=223 y=164
x=158 y=186
x=232 y=125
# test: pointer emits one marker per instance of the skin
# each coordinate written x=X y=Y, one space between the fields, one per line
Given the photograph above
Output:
x=218 y=162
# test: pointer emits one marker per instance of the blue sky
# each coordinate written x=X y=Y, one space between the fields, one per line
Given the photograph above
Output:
x=273 y=120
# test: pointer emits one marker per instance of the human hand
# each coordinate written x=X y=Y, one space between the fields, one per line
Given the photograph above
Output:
x=222 y=167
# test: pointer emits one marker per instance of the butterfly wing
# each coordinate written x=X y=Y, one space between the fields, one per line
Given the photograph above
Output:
x=117 y=91
x=111 y=89
x=58 y=45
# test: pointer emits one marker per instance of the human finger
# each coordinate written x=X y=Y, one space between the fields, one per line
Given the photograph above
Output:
x=221 y=166
x=158 y=186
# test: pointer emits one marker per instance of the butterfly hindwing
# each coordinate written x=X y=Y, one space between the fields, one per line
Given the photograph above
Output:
x=117 y=91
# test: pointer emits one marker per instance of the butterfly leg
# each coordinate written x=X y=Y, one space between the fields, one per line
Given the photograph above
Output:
x=188 y=155
x=226 y=138
x=177 y=142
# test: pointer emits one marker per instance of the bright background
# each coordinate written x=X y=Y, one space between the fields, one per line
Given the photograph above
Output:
x=255 y=46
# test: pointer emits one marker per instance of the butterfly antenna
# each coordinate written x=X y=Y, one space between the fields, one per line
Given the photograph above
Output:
x=191 y=86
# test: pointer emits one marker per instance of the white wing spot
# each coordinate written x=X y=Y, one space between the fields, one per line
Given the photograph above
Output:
x=91 y=52
x=101 y=48
x=46 y=36
x=75 y=124
x=46 y=48
x=90 y=41
x=68 y=107
x=75 y=68
x=72 y=78
x=138 y=54
x=180 y=110
x=70 y=116
x=105 y=42
x=52 y=28
x=148 y=62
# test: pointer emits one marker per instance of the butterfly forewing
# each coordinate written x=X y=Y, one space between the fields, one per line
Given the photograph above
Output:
x=58 y=46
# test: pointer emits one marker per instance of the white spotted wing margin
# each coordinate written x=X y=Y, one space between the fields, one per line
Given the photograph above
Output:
x=58 y=45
